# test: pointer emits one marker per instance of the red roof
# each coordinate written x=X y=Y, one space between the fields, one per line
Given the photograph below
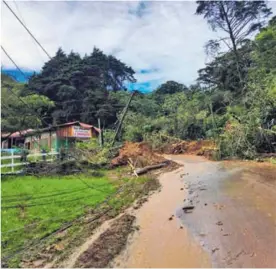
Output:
x=83 y=125
x=24 y=132
x=18 y=133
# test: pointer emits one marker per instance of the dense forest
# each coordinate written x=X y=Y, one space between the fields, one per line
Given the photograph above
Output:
x=232 y=102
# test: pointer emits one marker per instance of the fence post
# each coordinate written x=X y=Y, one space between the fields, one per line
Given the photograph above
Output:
x=12 y=161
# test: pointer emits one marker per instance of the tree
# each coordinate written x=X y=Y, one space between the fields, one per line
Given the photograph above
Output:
x=20 y=111
x=170 y=87
x=80 y=87
x=221 y=73
x=265 y=48
x=238 y=19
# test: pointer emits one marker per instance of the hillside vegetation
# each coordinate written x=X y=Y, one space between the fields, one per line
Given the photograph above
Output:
x=233 y=101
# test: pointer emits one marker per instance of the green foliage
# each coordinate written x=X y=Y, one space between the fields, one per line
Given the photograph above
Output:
x=237 y=89
x=265 y=49
x=20 y=111
x=108 y=137
x=206 y=110
x=92 y=152
x=80 y=87
x=170 y=87
x=221 y=73
x=88 y=145
x=238 y=20
x=237 y=142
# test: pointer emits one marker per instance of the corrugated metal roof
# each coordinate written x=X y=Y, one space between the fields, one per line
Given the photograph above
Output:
x=17 y=134
x=29 y=131
x=84 y=125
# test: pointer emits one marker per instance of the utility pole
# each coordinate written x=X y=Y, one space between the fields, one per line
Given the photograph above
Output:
x=122 y=119
x=101 y=133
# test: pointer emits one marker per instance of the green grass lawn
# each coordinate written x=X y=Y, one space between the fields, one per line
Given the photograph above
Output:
x=40 y=205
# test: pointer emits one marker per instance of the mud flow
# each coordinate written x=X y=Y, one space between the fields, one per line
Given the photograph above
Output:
x=208 y=214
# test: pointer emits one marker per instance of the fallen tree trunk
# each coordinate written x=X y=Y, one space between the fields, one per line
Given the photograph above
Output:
x=140 y=171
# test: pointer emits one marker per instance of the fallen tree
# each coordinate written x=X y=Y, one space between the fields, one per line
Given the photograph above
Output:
x=140 y=171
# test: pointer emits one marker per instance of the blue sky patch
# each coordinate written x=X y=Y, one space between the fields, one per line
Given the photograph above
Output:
x=144 y=87
x=15 y=74
x=140 y=10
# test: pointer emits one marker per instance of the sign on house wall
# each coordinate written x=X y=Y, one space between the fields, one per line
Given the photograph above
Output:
x=80 y=132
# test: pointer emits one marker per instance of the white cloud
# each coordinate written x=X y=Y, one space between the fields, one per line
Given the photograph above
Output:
x=167 y=37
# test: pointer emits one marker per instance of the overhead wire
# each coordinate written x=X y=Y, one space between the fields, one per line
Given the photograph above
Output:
x=10 y=58
x=74 y=199
x=31 y=198
x=59 y=217
x=22 y=18
x=85 y=183
x=70 y=223
x=48 y=203
x=27 y=29
x=22 y=195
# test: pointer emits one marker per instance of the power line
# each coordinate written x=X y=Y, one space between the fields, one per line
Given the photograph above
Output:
x=9 y=88
x=48 y=203
x=72 y=114
x=26 y=28
x=10 y=58
x=25 y=103
x=17 y=8
x=121 y=188
x=88 y=185
x=31 y=198
x=70 y=223
x=22 y=18
x=84 y=100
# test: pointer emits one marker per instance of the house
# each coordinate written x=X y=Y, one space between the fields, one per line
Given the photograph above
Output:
x=52 y=138
x=14 y=140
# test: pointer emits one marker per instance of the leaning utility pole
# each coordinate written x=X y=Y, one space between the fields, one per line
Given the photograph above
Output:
x=122 y=119
x=101 y=133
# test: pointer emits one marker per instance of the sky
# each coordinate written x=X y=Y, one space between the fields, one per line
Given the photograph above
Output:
x=160 y=40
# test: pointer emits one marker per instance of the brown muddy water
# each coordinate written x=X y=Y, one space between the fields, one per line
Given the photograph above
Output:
x=233 y=223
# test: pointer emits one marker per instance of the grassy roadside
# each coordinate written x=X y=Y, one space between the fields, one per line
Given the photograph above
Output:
x=43 y=205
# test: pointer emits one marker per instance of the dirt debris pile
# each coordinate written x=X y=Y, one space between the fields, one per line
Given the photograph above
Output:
x=140 y=154
x=200 y=147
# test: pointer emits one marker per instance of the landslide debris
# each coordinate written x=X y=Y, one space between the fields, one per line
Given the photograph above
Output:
x=140 y=154
x=198 y=147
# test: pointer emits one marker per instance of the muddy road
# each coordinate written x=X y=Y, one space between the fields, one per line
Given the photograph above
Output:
x=232 y=224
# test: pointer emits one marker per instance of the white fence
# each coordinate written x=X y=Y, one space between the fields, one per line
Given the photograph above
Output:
x=14 y=163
